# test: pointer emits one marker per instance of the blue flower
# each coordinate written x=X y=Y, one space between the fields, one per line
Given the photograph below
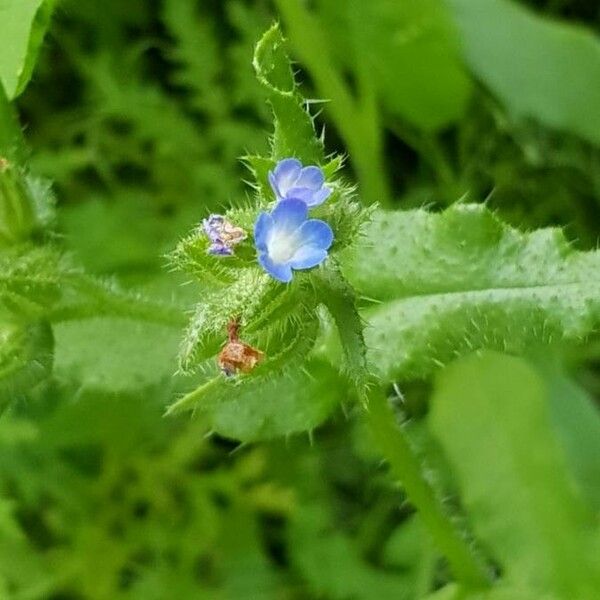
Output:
x=286 y=239
x=290 y=179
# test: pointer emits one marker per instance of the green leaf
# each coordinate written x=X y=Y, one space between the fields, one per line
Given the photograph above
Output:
x=25 y=359
x=441 y=285
x=260 y=166
x=577 y=422
x=543 y=69
x=294 y=129
x=129 y=228
x=23 y=24
x=497 y=433
x=30 y=279
x=122 y=422
x=85 y=297
x=297 y=400
x=409 y=52
x=286 y=342
x=115 y=354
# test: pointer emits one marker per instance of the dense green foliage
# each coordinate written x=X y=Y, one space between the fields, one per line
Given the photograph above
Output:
x=451 y=331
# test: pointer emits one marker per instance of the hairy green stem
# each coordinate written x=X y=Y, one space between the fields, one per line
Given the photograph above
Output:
x=405 y=466
x=357 y=123
x=94 y=298
x=338 y=297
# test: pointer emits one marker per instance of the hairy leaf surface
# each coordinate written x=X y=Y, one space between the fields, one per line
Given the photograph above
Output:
x=25 y=359
x=294 y=130
x=299 y=399
x=30 y=278
x=445 y=284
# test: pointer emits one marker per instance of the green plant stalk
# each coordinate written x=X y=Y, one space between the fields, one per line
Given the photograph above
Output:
x=358 y=124
x=466 y=568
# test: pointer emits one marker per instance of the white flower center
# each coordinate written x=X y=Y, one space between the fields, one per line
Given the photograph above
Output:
x=282 y=246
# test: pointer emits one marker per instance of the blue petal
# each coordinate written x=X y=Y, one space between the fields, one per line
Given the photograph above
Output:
x=289 y=215
x=284 y=175
x=310 y=197
x=303 y=194
x=319 y=197
x=317 y=233
x=307 y=257
x=311 y=178
x=287 y=167
x=262 y=230
x=281 y=272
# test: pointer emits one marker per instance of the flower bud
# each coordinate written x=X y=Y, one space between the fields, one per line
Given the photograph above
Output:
x=26 y=206
x=18 y=214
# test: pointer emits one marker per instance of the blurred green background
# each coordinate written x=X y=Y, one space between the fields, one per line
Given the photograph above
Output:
x=138 y=111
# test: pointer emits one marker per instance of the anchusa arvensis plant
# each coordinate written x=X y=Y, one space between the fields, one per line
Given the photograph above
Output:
x=287 y=280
